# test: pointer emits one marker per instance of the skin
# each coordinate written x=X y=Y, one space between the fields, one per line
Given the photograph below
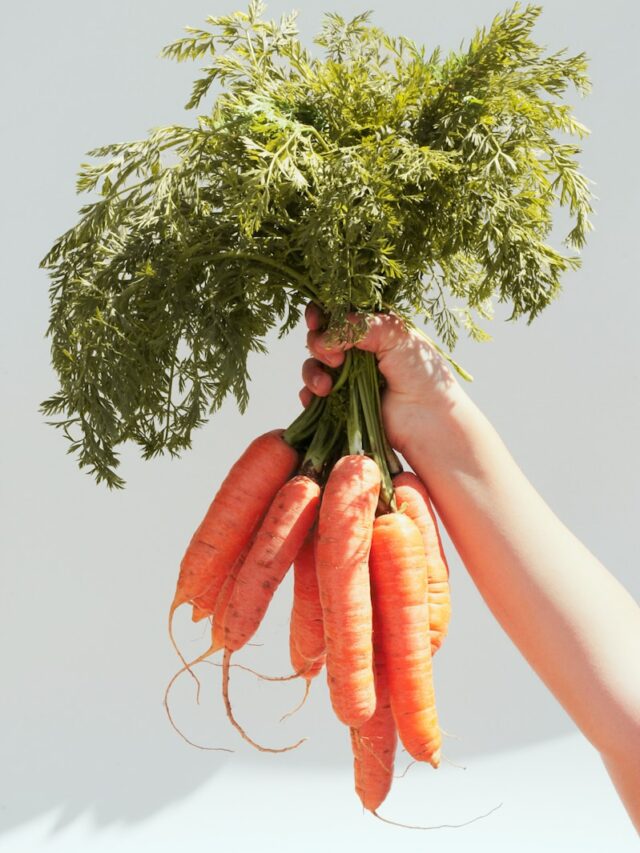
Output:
x=521 y=557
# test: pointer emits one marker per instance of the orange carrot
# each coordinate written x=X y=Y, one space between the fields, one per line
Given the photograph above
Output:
x=217 y=627
x=374 y=743
x=198 y=613
x=217 y=636
x=342 y=553
x=304 y=668
x=307 y=626
x=307 y=669
x=411 y=491
x=278 y=540
x=223 y=598
x=242 y=499
x=210 y=605
x=399 y=579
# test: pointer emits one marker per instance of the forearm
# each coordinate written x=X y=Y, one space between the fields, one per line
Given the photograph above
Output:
x=572 y=620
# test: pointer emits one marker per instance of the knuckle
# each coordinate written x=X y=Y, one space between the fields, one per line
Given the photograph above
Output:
x=312 y=341
x=307 y=368
x=318 y=347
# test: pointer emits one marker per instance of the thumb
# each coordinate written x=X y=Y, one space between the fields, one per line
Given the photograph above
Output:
x=384 y=332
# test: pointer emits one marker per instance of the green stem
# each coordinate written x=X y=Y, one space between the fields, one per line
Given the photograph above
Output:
x=393 y=463
x=322 y=445
x=305 y=424
x=344 y=373
x=169 y=402
x=304 y=283
x=319 y=137
x=368 y=392
x=354 y=421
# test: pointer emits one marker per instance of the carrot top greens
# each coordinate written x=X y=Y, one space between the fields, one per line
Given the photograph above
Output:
x=376 y=178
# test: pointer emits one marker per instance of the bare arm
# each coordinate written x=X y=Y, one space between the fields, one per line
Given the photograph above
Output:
x=572 y=620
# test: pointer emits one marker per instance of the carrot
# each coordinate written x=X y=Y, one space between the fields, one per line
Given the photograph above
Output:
x=241 y=501
x=342 y=553
x=199 y=613
x=411 y=491
x=246 y=491
x=306 y=628
x=307 y=625
x=374 y=743
x=399 y=590
x=210 y=605
x=278 y=540
x=223 y=597
x=306 y=669
x=217 y=634
x=217 y=627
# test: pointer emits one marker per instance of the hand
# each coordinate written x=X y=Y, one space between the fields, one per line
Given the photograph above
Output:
x=419 y=383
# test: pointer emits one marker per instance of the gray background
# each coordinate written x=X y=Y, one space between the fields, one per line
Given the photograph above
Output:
x=87 y=575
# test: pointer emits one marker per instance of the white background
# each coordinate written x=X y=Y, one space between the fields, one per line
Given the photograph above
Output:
x=88 y=759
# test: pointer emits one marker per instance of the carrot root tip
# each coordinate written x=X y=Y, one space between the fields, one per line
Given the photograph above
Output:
x=453 y=763
x=300 y=703
x=177 y=601
x=175 y=725
x=259 y=675
x=405 y=771
x=227 y=703
x=439 y=826
x=448 y=734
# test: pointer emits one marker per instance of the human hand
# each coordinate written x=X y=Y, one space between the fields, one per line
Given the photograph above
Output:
x=419 y=383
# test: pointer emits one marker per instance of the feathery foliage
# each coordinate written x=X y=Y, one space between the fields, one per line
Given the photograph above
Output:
x=377 y=178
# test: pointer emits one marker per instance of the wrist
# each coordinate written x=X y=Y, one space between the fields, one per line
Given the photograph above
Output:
x=436 y=428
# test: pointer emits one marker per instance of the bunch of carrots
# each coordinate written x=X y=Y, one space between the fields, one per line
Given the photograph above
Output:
x=377 y=178
x=370 y=599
